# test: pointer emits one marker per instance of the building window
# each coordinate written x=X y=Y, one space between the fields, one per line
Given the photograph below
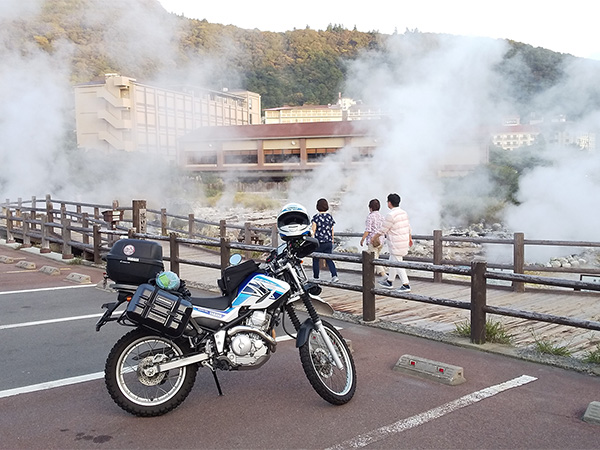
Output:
x=282 y=156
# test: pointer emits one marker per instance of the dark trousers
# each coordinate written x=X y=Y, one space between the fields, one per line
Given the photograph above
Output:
x=324 y=247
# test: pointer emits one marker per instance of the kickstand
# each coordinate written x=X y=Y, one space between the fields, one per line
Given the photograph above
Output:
x=214 y=372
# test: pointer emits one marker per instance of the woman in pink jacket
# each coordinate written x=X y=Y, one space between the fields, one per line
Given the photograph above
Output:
x=396 y=228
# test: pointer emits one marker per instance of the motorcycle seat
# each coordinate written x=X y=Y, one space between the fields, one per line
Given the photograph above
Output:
x=220 y=303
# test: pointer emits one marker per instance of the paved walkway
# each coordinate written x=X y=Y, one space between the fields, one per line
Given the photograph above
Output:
x=413 y=316
x=431 y=321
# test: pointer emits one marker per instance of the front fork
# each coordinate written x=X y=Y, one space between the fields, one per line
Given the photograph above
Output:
x=314 y=322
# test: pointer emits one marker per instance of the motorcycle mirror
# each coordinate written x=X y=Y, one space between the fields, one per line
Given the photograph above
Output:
x=235 y=259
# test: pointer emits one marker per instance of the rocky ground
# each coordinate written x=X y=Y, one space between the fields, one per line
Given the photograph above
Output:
x=459 y=251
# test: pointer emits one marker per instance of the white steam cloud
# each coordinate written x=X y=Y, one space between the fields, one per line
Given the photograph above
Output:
x=436 y=98
x=441 y=92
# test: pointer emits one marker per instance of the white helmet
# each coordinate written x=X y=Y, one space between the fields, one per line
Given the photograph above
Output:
x=293 y=221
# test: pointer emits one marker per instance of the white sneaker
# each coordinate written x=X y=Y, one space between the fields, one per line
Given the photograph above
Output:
x=335 y=279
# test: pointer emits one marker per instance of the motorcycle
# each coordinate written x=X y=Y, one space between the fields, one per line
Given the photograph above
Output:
x=152 y=368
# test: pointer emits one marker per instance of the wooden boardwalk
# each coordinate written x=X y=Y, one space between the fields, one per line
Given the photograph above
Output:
x=560 y=302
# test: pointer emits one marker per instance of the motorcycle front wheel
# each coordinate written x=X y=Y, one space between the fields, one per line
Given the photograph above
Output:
x=333 y=384
x=132 y=382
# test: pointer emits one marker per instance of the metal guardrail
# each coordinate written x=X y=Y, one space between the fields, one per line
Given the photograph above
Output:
x=98 y=233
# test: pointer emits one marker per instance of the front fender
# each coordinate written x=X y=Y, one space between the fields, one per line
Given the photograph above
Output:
x=321 y=306
x=304 y=331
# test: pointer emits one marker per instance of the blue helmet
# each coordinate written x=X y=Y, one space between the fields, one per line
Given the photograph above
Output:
x=293 y=221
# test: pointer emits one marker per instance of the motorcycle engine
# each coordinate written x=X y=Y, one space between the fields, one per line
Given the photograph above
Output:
x=249 y=349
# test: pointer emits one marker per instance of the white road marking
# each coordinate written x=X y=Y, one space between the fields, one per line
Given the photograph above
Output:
x=406 y=424
x=45 y=322
x=51 y=384
x=27 y=291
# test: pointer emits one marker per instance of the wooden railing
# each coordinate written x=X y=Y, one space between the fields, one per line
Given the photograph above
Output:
x=98 y=226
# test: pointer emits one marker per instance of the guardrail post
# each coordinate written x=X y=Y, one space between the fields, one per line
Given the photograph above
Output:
x=478 y=301
x=139 y=215
x=97 y=238
x=163 y=221
x=45 y=246
x=174 y=253
x=438 y=254
x=67 y=251
x=518 y=260
x=26 y=231
x=191 y=226
x=225 y=253
x=368 y=281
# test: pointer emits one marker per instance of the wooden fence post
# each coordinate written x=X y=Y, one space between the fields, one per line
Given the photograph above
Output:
x=139 y=215
x=368 y=281
x=45 y=246
x=85 y=223
x=33 y=213
x=97 y=238
x=518 y=260
x=191 y=226
x=26 y=231
x=247 y=239
x=225 y=253
x=174 y=253
x=10 y=238
x=67 y=251
x=274 y=237
x=222 y=229
x=163 y=221
x=49 y=210
x=438 y=254
x=478 y=301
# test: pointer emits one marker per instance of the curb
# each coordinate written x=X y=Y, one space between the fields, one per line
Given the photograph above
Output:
x=525 y=354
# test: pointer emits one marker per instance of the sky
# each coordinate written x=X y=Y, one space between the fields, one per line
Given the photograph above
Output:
x=565 y=27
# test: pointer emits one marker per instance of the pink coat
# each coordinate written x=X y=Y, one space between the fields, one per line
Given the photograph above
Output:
x=397 y=230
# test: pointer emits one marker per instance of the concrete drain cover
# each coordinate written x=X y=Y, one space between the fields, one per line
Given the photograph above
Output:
x=433 y=370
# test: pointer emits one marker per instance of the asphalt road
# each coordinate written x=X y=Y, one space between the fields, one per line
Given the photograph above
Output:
x=274 y=406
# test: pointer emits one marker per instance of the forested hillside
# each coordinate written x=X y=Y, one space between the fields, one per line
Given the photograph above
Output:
x=303 y=66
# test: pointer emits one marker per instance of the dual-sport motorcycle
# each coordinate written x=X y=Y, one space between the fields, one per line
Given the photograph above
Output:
x=152 y=368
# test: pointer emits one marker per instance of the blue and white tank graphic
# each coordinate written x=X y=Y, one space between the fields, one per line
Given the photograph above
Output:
x=258 y=293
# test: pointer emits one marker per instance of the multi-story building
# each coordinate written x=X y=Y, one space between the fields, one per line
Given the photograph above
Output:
x=276 y=150
x=511 y=136
x=119 y=113
x=344 y=109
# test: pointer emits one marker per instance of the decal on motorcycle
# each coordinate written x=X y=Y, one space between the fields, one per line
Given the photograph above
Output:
x=128 y=250
x=211 y=313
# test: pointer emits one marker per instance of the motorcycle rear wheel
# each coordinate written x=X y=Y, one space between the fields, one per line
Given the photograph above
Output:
x=332 y=384
x=133 y=386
